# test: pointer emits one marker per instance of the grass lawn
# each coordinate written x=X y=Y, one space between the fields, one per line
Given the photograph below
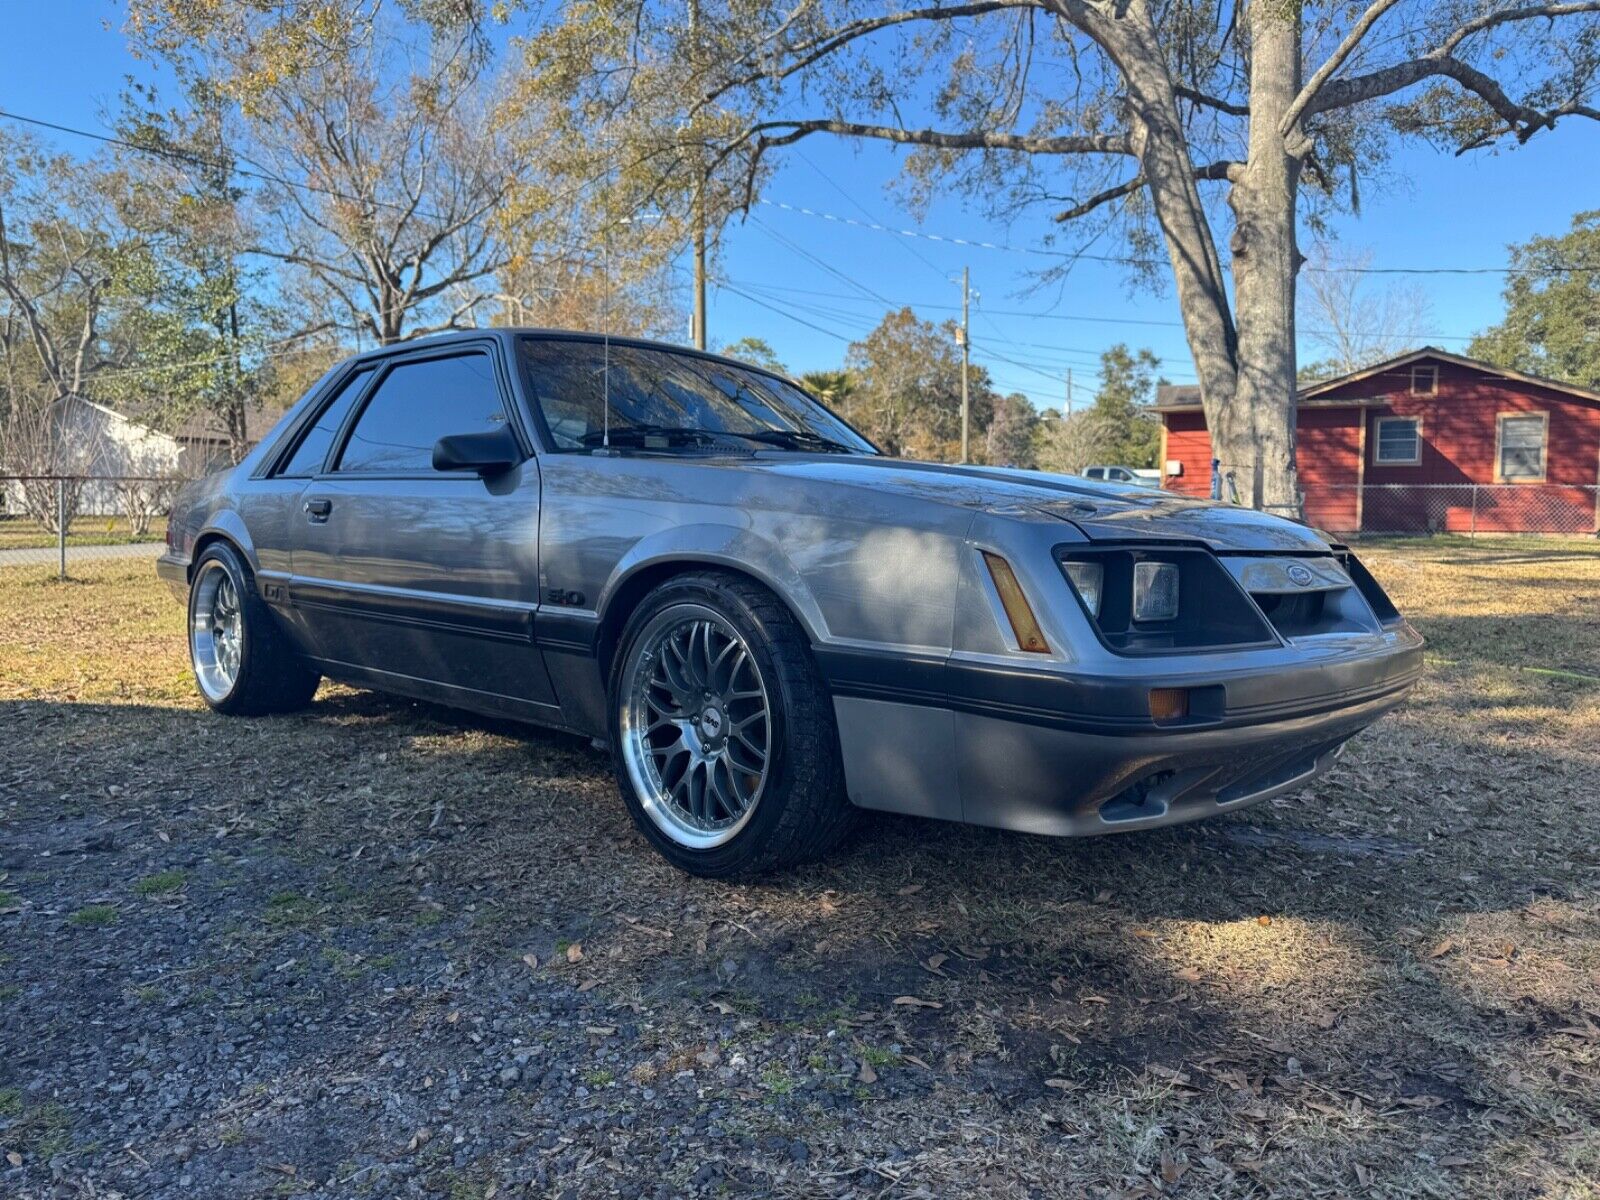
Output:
x=22 y=533
x=1387 y=983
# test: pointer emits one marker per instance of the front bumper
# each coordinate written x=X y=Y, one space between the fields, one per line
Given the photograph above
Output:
x=1008 y=757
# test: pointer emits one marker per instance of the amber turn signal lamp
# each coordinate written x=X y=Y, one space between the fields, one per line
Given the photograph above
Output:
x=1169 y=704
x=1029 y=636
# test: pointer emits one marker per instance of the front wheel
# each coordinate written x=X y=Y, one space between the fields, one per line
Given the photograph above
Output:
x=722 y=731
x=242 y=662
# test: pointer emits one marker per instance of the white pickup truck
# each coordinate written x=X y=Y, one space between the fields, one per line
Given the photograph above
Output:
x=1141 y=476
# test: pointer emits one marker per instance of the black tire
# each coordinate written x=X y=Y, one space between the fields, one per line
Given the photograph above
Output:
x=271 y=677
x=802 y=810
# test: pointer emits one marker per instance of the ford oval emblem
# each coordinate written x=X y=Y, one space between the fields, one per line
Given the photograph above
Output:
x=1300 y=575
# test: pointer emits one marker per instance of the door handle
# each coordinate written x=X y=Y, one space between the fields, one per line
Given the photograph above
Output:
x=318 y=510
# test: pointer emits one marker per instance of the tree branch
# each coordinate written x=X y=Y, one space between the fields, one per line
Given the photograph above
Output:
x=1522 y=120
x=1347 y=47
x=806 y=53
x=1217 y=102
x=1093 y=143
x=1223 y=169
x=1086 y=207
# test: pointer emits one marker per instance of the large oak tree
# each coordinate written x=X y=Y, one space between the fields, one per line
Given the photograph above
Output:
x=1204 y=132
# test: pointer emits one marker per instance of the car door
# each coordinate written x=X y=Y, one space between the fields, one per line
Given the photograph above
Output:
x=419 y=580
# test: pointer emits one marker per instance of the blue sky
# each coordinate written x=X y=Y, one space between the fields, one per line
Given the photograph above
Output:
x=66 y=61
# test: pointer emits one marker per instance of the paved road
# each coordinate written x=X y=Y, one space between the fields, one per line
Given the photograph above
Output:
x=45 y=555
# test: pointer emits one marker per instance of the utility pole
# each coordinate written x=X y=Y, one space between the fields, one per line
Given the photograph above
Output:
x=966 y=358
x=1069 y=391
x=699 y=218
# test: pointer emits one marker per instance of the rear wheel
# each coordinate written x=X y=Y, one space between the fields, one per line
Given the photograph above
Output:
x=242 y=662
x=723 y=733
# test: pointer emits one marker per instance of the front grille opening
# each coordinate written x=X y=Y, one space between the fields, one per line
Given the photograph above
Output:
x=1293 y=614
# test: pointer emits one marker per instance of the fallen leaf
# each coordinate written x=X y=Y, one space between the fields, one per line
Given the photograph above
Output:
x=1190 y=974
x=532 y=960
x=600 y=1030
x=1363 y=1176
x=935 y=961
x=914 y=1060
x=420 y=1138
x=13 y=1158
x=575 y=952
x=916 y=1002
x=588 y=985
x=1263 y=919
x=1171 y=1169
x=1064 y=1085
x=1103 y=896
x=911 y=889
x=867 y=1074
x=1442 y=948
x=453 y=1017
x=1146 y=934
x=723 y=1007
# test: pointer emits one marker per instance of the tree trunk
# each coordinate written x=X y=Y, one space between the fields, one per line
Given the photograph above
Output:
x=1161 y=146
x=1259 y=446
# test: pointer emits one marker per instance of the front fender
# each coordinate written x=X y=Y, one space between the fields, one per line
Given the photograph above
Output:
x=738 y=549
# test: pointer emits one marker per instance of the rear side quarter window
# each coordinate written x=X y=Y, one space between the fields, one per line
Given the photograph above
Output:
x=312 y=450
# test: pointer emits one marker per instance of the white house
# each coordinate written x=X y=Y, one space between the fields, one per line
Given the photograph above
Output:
x=100 y=443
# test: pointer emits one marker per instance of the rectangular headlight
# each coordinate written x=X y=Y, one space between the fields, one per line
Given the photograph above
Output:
x=1088 y=580
x=1155 y=591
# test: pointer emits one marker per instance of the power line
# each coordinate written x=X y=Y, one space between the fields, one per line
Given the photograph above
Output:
x=200 y=160
x=1052 y=316
x=1125 y=260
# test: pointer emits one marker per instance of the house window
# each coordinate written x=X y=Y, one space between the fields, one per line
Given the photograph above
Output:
x=1522 y=445
x=1424 y=379
x=1399 y=441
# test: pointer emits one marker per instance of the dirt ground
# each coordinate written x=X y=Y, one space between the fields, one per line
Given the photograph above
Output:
x=380 y=948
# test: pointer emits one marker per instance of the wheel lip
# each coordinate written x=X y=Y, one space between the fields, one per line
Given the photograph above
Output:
x=214 y=680
x=642 y=776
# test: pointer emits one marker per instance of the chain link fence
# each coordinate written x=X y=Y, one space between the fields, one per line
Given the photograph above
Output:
x=1460 y=508
x=58 y=520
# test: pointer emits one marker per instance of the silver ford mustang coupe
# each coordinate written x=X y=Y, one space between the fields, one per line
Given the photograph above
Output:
x=771 y=624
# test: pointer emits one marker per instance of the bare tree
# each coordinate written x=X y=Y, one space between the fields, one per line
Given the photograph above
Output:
x=1187 y=124
x=50 y=459
x=58 y=246
x=1350 y=320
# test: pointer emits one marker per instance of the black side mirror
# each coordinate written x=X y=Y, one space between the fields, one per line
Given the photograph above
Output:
x=490 y=453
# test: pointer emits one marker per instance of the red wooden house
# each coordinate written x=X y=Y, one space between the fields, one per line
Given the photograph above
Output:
x=1429 y=441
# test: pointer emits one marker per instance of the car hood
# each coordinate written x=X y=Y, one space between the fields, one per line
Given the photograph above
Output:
x=1101 y=511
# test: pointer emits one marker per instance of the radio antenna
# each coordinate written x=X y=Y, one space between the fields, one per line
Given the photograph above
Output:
x=605 y=342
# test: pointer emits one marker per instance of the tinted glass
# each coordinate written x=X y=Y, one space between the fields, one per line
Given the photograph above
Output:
x=659 y=389
x=313 y=449
x=415 y=405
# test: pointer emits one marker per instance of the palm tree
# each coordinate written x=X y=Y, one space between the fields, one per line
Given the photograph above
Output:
x=833 y=388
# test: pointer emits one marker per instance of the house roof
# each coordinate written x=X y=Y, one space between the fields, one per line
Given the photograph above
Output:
x=207 y=427
x=1186 y=397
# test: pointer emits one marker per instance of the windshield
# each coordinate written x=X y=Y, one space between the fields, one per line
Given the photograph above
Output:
x=663 y=400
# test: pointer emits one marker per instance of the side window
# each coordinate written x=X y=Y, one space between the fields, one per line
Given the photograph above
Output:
x=308 y=456
x=1522 y=445
x=415 y=405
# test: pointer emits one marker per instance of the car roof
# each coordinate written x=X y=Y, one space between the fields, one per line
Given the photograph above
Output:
x=509 y=333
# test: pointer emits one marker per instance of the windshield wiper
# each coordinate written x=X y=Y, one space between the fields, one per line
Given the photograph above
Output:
x=642 y=435
x=800 y=439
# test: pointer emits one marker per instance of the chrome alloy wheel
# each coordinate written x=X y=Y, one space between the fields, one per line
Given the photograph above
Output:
x=696 y=726
x=216 y=631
